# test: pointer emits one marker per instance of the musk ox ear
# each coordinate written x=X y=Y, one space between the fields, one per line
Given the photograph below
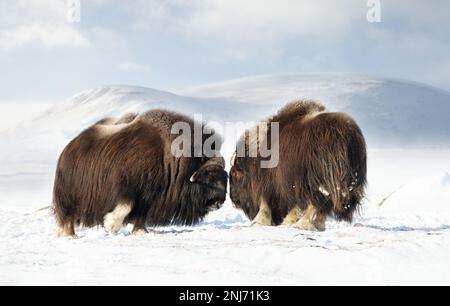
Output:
x=208 y=172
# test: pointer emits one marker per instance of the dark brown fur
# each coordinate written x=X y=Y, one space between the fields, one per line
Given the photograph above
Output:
x=318 y=150
x=135 y=165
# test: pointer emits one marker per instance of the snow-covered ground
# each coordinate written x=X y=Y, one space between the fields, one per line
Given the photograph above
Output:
x=402 y=235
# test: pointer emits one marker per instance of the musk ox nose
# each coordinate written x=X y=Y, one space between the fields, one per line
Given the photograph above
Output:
x=222 y=186
x=215 y=206
x=234 y=199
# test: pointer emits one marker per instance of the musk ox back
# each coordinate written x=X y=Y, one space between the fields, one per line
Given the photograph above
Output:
x=321 y=169
x=123 y=171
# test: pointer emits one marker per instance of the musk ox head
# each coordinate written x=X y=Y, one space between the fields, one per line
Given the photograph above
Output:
x=241 y=186
x=210 y=181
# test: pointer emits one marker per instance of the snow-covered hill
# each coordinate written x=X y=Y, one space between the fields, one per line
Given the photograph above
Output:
x=391 y=113
x=403 y=231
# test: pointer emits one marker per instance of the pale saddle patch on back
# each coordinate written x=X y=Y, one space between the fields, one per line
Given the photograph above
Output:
x=104 y=130
x=311 y=116
x=113 y=221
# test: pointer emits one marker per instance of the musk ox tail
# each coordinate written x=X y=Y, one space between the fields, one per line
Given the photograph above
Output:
x=338 y=165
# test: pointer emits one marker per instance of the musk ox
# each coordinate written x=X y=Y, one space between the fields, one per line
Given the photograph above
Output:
x=122 y=171
x=321 y=169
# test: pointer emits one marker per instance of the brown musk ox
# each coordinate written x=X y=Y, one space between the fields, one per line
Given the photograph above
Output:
x=122 y=171
x=321 y=169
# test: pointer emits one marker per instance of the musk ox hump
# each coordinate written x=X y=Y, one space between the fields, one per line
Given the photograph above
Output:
x=300 y=108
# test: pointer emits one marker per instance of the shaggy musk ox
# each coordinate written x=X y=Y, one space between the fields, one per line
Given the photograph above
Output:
x=123 y=171
x=321 y=169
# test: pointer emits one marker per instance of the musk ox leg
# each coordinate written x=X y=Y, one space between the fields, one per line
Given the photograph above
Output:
x=293 y=216
x=140 y=231
x=312 y=220
x=139 y=218
x=139 y=228
x=66 y=229
x=264 y=216
x=113 y=221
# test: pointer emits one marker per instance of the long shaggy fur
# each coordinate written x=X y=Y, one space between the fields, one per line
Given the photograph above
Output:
x=129 y=160
x=322 y=162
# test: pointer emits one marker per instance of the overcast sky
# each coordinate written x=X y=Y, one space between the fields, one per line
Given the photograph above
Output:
x=172 y=44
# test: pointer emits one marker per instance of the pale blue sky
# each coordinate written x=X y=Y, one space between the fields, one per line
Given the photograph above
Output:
x=172 y=44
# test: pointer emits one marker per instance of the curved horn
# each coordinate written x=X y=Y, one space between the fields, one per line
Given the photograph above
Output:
x=216 y=161
x=192 y=179
x=233 y=160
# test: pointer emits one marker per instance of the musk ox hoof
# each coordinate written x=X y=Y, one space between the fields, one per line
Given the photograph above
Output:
x=140 y=232
x=66 y=231
x=70 y=237
x=111 y=227
x=306 y=225
x=61 y=234
x=261 y=222
x=112 y=224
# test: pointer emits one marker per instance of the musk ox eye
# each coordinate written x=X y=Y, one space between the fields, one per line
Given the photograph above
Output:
x=238 y=174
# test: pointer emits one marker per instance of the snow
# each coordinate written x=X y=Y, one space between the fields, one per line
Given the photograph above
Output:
x=401 y=236
x=15 y=113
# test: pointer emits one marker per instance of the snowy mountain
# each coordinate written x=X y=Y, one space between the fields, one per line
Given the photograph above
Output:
x=391 y=113
x=48 y=132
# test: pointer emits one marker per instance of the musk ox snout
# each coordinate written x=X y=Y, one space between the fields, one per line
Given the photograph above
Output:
x=240 y=189
x=213 y=177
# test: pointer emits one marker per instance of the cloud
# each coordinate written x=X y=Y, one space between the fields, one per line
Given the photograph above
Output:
x=240 y=26
x=105 y=38
x=48 y=35
x=37 y=21
x=129 y=66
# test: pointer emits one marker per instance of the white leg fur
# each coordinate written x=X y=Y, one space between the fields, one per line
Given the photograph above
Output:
x=293 y=216
x=66 y=232
x=264 y=216
x=113 y=221
x=311 y=221
x=66 y=229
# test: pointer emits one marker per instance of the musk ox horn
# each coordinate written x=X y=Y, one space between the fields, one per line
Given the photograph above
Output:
x=233 y=160
x=216 y=161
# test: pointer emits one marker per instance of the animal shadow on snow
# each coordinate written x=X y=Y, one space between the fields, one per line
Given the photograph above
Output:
x=430 y=230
